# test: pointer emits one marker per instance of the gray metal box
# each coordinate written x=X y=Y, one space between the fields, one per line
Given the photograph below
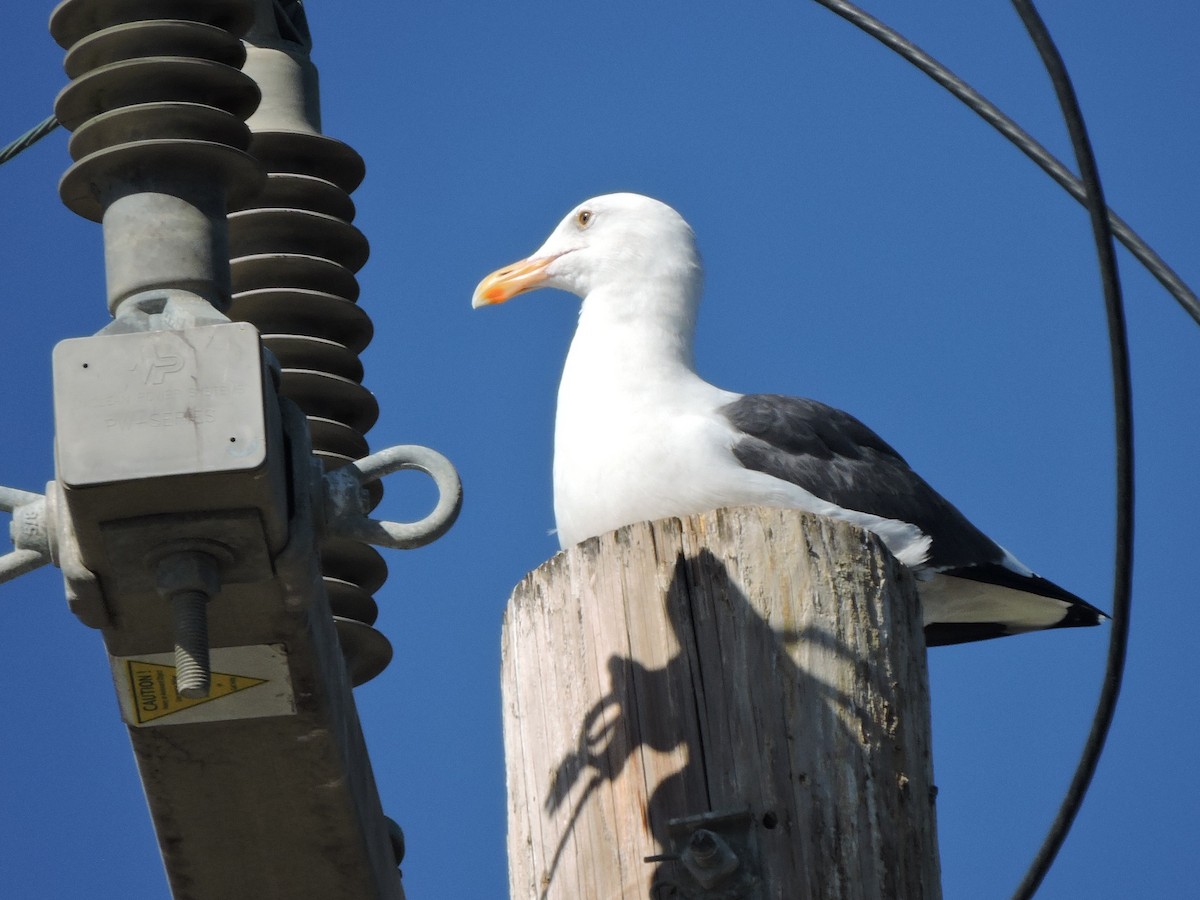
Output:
x=158 y=428
x=135 y=406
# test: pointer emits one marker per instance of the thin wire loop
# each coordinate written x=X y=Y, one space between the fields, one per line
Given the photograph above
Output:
x=1105 y=225
x=1123 y=408
x=1025 y=142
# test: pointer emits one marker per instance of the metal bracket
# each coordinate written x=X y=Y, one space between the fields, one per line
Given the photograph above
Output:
x=29 y=530
x=716 y=854
x=344 y=508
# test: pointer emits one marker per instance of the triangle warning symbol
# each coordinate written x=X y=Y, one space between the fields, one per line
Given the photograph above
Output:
x=152 y=689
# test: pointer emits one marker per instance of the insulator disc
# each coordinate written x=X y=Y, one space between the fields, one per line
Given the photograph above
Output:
x=308 y=153
x=272 y=270
x=349 y=601
x=367 y=652
x=166 y=37
x=286 y=190
x=351 y=561
x=159 y=121
x=298 y=351
x=81 y=187
x=331 y=397
x=292 y=311
x=75 y=19
x=154 y=79
x=258 y=230
x=338 y=441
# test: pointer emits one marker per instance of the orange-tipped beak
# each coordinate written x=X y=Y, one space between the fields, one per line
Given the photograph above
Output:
x=506 y=283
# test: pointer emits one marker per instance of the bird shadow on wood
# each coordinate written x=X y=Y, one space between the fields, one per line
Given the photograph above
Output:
x=754 y=727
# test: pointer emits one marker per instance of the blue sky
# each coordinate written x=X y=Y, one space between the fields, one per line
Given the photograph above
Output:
x=868 y=242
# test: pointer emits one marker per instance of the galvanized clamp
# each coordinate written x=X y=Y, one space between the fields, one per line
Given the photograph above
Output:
x=30 y=533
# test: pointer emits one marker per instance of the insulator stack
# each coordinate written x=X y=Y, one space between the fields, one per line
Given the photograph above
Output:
x=294 y=257
x=157 y=105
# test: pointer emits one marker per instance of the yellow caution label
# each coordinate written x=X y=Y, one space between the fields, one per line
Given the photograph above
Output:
x=249 y=682
x=153 y=688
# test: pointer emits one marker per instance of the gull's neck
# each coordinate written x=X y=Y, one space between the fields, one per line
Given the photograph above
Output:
x=639 y=332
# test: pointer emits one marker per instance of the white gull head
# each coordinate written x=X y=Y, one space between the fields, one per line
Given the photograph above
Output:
x=617 y=244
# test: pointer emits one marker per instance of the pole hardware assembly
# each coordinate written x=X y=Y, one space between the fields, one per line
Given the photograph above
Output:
x=210 y=505
x=158 y=106
x=294 y=254
x=43 y=531
x=714 y=853
x=125 y=463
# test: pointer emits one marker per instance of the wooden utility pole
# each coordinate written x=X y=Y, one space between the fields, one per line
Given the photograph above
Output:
x=732 y=705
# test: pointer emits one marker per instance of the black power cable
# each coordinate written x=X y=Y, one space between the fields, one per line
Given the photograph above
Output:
x=991 y=114
x=1123 y=406
x=987 y=110
x=28 y=139
x=1105 y=224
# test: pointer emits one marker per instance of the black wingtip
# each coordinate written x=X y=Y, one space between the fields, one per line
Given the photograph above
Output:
x=1082 y=614
x=943 y=634
x=1079 y=611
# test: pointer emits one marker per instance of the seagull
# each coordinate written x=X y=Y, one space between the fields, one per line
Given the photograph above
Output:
x=640 y=436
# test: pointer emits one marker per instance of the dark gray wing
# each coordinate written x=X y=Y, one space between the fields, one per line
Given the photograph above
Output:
x=834 y=456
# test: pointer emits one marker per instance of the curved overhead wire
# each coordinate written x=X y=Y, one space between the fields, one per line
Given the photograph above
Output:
x=1123 y=405
x=1025 y=142
x=1105 y=225
x=987 y=110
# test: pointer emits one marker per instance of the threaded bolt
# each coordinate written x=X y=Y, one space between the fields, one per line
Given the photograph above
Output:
x=189 y=612
x=189 y=579
x=709 y=858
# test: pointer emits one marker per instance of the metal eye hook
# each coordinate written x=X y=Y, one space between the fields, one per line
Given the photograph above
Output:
x=345 y=512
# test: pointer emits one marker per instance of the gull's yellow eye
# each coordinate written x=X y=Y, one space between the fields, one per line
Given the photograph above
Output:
x=583 y=217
